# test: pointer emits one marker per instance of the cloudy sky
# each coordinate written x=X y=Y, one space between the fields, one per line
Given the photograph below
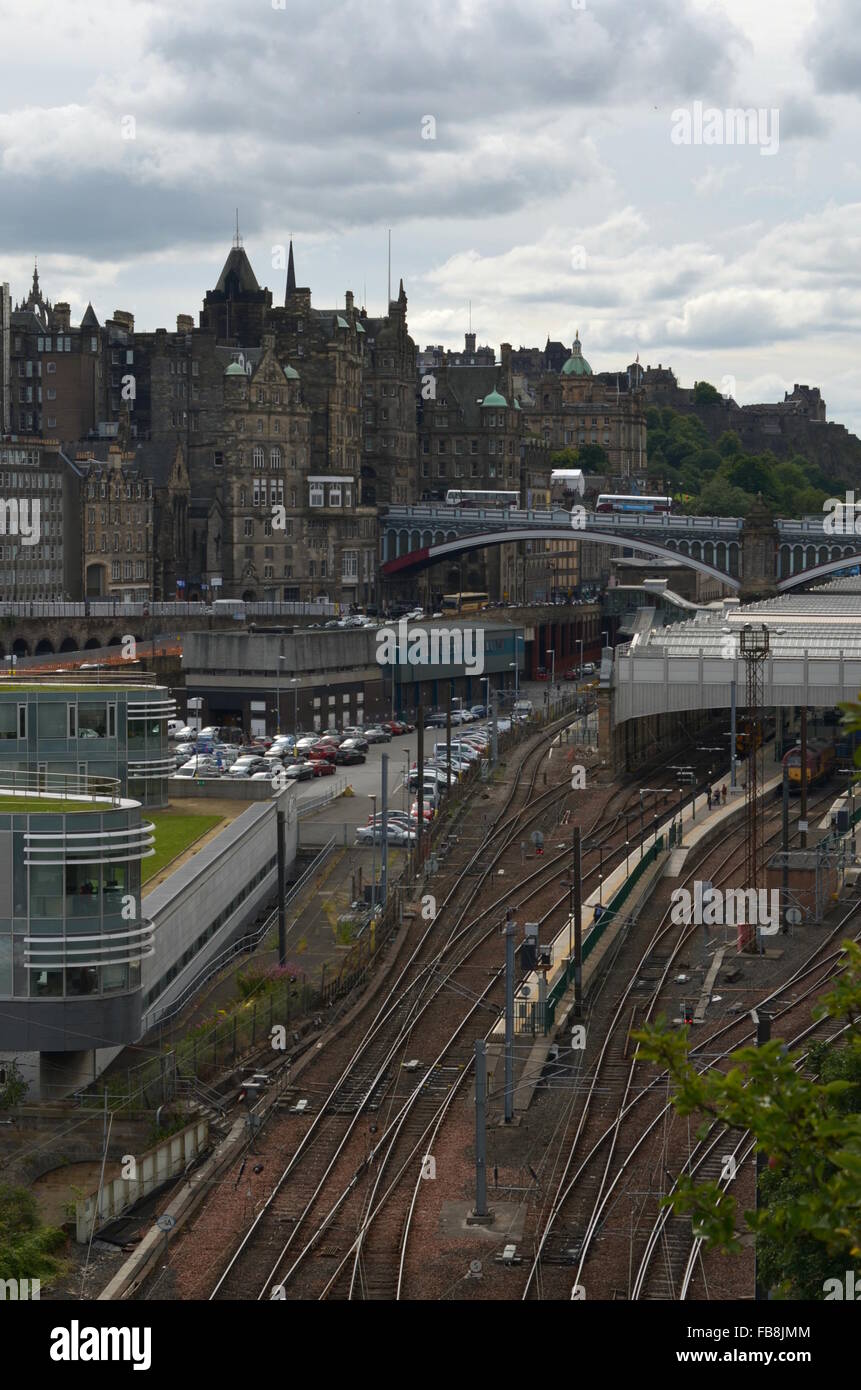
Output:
x=557 y=190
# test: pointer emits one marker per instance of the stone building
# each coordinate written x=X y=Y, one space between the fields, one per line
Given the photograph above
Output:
x=134 y=520
x=575 y=406
x=40 y=554
x=471 y=438
x=54 y=371
x=389 y=435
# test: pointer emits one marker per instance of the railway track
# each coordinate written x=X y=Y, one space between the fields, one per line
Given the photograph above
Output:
x=595 y=1181
x=332 y=1147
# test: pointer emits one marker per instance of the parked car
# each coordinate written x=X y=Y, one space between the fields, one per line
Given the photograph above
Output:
x=377 y=734
x=200 y=766
x=357 y=743
x=345 y=756
x=321 y=767
x=322 y=752
x=299 y=772
x=304 y=744
x=435 y=721
x=480 y=711
x=244 y=766
x=428 y=810
x=395 y=834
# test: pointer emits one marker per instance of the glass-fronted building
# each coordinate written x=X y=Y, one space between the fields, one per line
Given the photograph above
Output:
x=88 y=729
x=72 y=930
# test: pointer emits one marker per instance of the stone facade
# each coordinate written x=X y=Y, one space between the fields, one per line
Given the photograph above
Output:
x=134 y=521
x=573 y=406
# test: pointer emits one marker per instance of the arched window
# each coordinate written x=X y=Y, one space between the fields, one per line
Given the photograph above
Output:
x=275 y=458
x=259 y=457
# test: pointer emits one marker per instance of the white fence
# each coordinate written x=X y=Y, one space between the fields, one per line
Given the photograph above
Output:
x=167 y=1160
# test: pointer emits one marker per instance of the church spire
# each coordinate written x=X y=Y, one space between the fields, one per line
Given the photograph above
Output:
x=291 y=272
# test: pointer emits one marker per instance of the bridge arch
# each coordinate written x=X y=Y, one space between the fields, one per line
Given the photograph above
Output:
x=842 y=562
x=44 y=648
x=68 y=644
x=429 y=554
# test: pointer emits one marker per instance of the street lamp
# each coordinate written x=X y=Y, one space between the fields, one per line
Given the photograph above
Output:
x=294 y=681
x=373 y=800
x=278 y=694
x=580 y=640
x=552 y=654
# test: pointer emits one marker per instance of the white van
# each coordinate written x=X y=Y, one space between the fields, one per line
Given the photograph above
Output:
x=524 y=708
x=229 y=607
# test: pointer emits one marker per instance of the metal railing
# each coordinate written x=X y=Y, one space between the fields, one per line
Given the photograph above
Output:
x=242 y=945
x=106 y=675
x=55 y=786
x=115 y=608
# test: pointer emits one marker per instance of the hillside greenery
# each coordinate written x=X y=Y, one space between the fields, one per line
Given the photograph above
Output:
x=718 y=478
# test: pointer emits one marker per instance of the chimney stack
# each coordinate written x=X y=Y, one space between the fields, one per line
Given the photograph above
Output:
x=184 y=323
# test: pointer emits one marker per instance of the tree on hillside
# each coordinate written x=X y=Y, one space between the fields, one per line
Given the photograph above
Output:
x=805 y=1115
x=27 y=1248
x=706 y=394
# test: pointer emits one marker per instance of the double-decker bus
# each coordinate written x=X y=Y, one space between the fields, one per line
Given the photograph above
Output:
x=458 y=497
x=454 y=604
x=619 y=502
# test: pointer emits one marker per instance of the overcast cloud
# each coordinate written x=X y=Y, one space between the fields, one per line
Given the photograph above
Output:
x=552 y=196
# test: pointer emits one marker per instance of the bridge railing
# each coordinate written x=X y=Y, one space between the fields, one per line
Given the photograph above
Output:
x=115 y=608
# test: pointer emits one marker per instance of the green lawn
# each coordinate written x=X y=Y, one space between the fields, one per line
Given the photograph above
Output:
x=174 y=832
x=25 y=804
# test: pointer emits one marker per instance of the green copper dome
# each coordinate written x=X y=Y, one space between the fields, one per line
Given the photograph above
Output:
x=291 y=373
x=494 y=398
x=576 y=364
x=234 y=370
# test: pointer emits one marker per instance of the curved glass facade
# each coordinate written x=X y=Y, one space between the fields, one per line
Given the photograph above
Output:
x=111 y=730
x=72 y=933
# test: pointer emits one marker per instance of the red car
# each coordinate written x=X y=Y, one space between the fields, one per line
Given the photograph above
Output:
x=322 y=767
x=322 y=750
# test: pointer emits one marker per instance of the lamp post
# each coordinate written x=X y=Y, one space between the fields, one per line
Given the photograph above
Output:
x=373 y=800
x=580 y=640
x=294 y=681
x=552 y=654
x=278 y=694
